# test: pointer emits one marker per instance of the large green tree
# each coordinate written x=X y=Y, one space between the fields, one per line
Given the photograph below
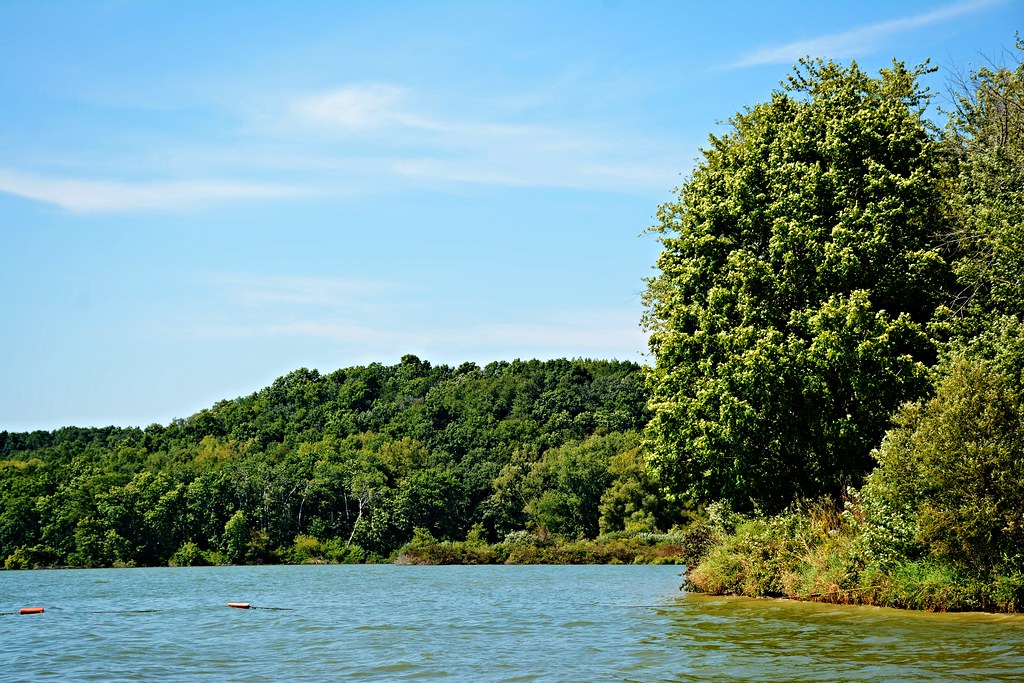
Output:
x=800 y=270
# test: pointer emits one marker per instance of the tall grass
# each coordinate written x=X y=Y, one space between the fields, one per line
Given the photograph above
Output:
x=814 y=554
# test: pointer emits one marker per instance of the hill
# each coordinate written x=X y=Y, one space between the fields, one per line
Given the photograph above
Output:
x=351 y=462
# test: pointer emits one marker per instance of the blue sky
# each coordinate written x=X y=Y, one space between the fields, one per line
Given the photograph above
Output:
x=196 y=198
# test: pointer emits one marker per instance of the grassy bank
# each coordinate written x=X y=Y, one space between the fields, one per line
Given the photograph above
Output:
x=821 y=554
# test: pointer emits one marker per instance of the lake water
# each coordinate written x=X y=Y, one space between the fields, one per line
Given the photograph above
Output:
x=532 y=623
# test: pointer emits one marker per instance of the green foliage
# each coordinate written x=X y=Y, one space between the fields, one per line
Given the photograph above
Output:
x=812 y=554
x=951 y=472
x=521 y=547
x=236 y=539
x=799 y=272
x=985 y=140
x=425 y=549
x=311 y=550
x=927 y=585
x=335 y=468
x=753 y=559
x=564 y=488
x=36 y=557
x=937 y=525
x=434 y=499
x=18 y=560
x=189 y=555
x=633 y=501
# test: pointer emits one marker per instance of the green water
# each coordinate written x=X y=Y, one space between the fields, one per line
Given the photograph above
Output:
x=592 y=623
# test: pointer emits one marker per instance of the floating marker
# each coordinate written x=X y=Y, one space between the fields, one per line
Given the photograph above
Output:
x=245 y=605
x=30 y=610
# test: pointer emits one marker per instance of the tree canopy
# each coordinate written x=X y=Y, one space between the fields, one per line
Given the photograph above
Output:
x=802 y=264
x=347 y=465
x=939 y=521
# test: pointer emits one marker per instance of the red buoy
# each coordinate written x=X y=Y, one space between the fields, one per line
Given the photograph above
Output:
x=238 y=605
x=31 y=610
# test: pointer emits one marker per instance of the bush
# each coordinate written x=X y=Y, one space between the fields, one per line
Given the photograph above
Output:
x=806 y=553
x=189 y=555
x=751 y=561
x=950 y=480
x=816 y=554
x=525 y=548
x=305 y=550
x=448 y=552
x=34 y=557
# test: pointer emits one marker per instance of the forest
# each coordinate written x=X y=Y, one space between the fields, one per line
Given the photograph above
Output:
x=344 y=467
x=834 y=409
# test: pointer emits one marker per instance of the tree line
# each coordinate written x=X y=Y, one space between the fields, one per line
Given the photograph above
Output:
x=344 y=466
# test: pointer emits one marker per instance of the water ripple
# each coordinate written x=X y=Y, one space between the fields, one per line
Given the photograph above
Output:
x=469 y=623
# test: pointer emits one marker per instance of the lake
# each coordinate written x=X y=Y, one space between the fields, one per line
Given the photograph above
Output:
x=521 y=623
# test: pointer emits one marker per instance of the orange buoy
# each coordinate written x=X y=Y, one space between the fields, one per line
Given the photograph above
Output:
x=238 y=605
x=31 y=610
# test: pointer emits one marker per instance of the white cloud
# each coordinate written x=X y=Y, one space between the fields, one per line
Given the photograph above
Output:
x=582 y=331
x=266 y=307
x=402 y=137
x=362 y=108
x=855 y=41
x=95 y=196
x=358 y=139
x=513 y=171
x=352 y=315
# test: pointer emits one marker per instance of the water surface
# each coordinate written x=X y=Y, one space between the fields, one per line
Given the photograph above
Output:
x=539 y=623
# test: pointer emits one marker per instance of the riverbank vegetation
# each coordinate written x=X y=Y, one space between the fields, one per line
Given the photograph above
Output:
x=544 y=548
x=839 y=318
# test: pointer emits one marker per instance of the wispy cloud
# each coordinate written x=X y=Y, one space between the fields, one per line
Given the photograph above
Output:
x=378 y=106
x=511 y=171
x=352 y=315
x=359 y=108
x=348 y=141
x=585 y=331
x=858 y=41
x=95 y=196
x=415 y=142
x=256 y=290
x=605 y=333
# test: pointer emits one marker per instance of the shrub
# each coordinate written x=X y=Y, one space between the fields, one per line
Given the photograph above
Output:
x=189 y=555
x=306 y=550
x=34 y=557
x=950 y=480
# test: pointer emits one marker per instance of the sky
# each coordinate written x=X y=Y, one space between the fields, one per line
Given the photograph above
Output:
x=197 y=198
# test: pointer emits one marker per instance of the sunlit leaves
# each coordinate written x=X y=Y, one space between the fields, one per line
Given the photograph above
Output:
x=801 y=264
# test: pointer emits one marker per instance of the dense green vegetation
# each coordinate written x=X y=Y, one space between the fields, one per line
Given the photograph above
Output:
x=839 y=319
x=339 y=467
x=800 y=272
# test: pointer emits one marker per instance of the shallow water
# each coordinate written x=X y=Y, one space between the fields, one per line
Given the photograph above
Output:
x=591 y=623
